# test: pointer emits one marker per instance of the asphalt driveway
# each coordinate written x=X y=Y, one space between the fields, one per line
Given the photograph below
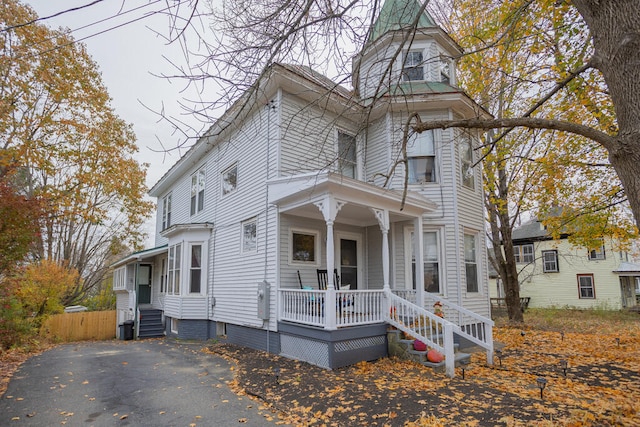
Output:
x=126 y=383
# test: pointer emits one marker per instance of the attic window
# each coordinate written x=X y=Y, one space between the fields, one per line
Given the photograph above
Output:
x=413 y=69
x=597 y=254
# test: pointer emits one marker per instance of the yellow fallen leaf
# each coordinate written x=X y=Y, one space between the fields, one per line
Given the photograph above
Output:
x=124 y=417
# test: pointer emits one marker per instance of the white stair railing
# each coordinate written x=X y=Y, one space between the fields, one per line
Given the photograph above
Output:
x=425 y=326
x=469 y=325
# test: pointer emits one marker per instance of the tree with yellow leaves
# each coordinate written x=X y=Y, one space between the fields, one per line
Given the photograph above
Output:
x=69 y=149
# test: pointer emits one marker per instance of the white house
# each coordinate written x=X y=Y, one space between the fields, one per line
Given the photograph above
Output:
x=555 y=273
x=291 y=180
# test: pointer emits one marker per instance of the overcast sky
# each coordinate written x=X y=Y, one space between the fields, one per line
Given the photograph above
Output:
x=128 y=57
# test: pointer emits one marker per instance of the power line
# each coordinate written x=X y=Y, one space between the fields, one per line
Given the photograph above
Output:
x=73 y=9
x=60 y=46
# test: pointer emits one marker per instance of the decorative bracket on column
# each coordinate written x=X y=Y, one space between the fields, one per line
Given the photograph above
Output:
x=330 y=208
x=383 y=218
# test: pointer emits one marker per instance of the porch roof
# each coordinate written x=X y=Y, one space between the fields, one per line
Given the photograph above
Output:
x=140 y=255
x=297 y=195
x=628 y=269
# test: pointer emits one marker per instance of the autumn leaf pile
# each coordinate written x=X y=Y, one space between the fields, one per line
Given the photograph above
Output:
x=601 y=386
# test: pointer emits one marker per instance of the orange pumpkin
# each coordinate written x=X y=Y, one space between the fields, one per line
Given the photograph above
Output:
x=434 y=356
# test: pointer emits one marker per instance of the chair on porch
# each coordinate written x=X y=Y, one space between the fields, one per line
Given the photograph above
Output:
x=323 y=279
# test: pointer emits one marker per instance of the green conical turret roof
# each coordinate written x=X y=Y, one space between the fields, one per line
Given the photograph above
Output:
x=399 y=14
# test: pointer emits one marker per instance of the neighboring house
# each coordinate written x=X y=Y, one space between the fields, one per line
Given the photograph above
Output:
x=555 y=273
x=289 y=181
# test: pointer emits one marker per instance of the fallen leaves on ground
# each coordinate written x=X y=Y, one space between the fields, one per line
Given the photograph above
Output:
x=601 y=386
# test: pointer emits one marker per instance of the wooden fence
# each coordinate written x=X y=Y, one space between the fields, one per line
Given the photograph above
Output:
x=87 y=325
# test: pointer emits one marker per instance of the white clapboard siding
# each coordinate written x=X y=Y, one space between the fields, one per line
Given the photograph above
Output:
x=561 y=289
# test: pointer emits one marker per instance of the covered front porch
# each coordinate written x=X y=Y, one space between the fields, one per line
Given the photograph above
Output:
x=337 y=228
x=330 y=223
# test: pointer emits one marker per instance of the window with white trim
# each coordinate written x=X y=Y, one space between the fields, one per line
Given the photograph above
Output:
x=166 y=211
x=470 y=262
x=413 y=67
x=550 y=261
x=597 y=254
x=431 y=261
x=524 y=253
x=249 y=236
x=347 y=163
x=304 y=247
x=230 y=179
x=195 y=269
x=163 y=276
x=421 y=157
x=173 y=283
x=466 y=162
x=586 y=286
x=197 y=191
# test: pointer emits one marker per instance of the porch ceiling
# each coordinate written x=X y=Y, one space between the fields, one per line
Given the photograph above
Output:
x=296 y=195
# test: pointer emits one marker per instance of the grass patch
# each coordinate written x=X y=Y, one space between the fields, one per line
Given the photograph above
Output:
x=591 y=321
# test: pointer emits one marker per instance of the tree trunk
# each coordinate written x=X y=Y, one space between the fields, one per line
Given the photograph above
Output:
x=615 y=26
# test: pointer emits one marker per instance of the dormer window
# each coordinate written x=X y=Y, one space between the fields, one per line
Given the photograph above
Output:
x=413 y=69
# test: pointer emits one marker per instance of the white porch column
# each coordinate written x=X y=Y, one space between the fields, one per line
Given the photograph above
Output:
x=418 y=250
x=330 y=207
x=382 y=215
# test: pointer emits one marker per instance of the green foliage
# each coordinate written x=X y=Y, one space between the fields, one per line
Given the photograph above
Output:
x=103 y=298
x=15 y=327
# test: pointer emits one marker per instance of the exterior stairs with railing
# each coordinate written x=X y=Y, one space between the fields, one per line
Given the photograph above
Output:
x=403 y=348
x=436 y=329
x=150 y=325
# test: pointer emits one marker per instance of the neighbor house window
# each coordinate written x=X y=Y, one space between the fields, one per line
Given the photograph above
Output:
x=550 y=261
x=249 y=236
x=421 y=157
x=229 y=179
x=166 y=211
x=413 y=69
x=347 y=154
x=586 y=287
x=597 y=254
x=430 y=253
x=173 y=284
x=303 y=247
x=466 y=162
x=195 y=269
x=524 y=253
x=470 y=262
x=197 y=192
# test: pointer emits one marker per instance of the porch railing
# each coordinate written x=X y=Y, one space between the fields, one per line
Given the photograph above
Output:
x=311 y=307
x=334 y=309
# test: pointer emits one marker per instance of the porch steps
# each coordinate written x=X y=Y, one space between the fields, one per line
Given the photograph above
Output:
x=403 y=348
x=150 y=324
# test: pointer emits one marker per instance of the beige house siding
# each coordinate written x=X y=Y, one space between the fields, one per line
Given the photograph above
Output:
x=560 y=289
